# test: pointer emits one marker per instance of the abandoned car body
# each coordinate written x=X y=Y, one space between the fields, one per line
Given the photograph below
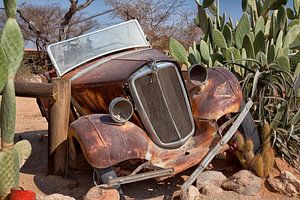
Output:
x=130 y=101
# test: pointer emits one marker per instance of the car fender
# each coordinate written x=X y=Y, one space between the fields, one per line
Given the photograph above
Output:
x=221 y=94
x=105 y=143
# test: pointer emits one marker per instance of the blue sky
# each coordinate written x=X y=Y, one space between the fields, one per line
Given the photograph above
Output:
x=231 y=7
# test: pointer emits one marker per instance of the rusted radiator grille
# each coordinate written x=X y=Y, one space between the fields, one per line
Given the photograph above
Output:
x=163 y=102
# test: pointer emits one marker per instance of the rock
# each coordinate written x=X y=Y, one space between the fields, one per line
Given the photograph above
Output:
x=243 y=182
x=102 y=193
x=286 y=184
x=191 y=194
x=214 y=178
x=210 y=190
x=54 y=197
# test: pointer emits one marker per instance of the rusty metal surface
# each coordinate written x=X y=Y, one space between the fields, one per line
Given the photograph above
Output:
x=189 y=154
x=220 y=95
x=105 y=143
x=116 y=68
x=97 y=99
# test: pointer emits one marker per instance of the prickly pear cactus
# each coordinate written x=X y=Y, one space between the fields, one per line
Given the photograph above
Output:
x=11 y=55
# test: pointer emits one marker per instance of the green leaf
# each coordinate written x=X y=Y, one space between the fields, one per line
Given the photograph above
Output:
x=286 y=51
x=204 y=50
x=260 y=25
x=278 y=44
x=13 y=45
x=259 y=6
x=194 y=56
x=290 y=13
x=252 y=4
x=259 y=42
x=271 y=53
x=296 y=5
x=3 y=68
x=276 y=120
x=294 y=59
x=284 y=63
x=217 y=57
x=227 y=54
x=218 y=38
x=203 y=19
x=268 y=28
x=178 y=52
x=10 y=8
x=291 y=36
x=274 y=29
x=236 y=53
x=262 y=58
x=293 y=23
x=244 y=56
x=227 y=32
x=275 y=4
x=279 y=53
x=248 y=47
x=213 y=9
x=244 y=5
x=242 y=29
x=281 y=17
x=207 y=3
x=296 y=43
x=297 y=72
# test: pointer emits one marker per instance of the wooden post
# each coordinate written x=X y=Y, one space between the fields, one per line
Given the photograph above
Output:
x=58 y=126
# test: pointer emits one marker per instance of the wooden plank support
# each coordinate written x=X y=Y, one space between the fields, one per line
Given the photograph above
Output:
x=36 y=90
x=58 y=126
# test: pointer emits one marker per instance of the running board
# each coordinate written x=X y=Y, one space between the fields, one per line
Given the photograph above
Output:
x=140 y=177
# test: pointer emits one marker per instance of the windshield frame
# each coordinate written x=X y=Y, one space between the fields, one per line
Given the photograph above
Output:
x=60 y=71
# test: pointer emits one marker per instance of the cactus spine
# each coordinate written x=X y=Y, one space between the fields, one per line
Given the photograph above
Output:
x=11 y=55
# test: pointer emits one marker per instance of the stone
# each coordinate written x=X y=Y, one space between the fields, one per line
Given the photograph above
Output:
x=102 y=193
x=192 y=193
x=243 y=182
x=209 y=190
x=286 y=184
x=54 y=197
x=214 y=178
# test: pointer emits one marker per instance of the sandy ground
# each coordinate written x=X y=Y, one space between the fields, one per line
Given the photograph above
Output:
x=33 y=127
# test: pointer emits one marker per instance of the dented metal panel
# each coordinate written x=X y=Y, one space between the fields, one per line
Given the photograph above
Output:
x=105 y=143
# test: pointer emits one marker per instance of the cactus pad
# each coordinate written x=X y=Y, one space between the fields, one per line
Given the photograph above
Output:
x=9 y=170
x=24 y=150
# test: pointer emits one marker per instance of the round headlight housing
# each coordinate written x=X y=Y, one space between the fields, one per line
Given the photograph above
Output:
x=120 y=109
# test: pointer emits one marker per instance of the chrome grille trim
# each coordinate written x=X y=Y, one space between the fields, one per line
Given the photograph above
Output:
x=150 y=69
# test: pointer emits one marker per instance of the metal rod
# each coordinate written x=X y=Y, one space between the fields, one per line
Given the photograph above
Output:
x=211 y=154
x=140 y=177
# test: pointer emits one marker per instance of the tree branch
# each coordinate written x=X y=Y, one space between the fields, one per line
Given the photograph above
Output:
x=74 y=7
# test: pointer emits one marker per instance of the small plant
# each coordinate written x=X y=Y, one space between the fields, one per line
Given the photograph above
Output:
x=262 y=49
x=11 y=54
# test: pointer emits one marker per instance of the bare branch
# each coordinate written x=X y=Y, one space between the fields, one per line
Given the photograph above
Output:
x=74 y=7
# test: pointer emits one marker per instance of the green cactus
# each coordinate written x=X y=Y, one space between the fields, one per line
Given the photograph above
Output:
x=12 y=157
x=266 y=38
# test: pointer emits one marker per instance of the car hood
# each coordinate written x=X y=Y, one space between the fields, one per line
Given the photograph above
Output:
x=115 y=68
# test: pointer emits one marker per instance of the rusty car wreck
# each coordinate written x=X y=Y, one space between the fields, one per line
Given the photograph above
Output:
x=131 y=102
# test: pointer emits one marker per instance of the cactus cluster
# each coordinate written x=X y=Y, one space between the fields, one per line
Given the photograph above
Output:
x=263 y=50
x=267 y=32
x=12 y=157
x=262 y=162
